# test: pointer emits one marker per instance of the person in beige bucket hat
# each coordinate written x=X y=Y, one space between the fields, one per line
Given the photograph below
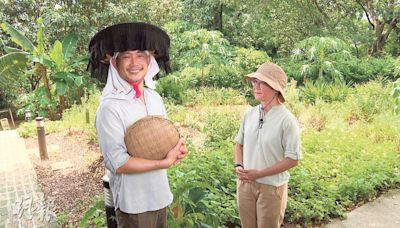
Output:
x=267 y=146
x=273 y=75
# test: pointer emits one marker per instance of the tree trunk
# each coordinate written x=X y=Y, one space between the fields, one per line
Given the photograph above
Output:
x=34 y=82
x=378 y=24
x=50 y=112
x=377 y=46
x=62 y=104
x=45 y=81
x=357 y=51
x=103 y=4
x=218 y=17
x=78 y=95
x=381 y=36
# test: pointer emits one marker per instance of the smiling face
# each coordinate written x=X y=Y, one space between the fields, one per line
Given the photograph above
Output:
x=132 y=66
x=262 y=91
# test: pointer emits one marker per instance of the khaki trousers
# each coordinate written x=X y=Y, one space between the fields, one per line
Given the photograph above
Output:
x=261 y=205
x=149 y=219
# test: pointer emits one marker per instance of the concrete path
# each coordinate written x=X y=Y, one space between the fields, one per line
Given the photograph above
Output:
x=22 y=203
x=383 y=212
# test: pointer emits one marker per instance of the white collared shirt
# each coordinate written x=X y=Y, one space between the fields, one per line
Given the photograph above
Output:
x=132 y=193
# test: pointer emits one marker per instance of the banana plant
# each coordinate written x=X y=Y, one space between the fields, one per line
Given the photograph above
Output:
x=12 y=65
x=29 y=57
x=64 y=73
x=56 y=68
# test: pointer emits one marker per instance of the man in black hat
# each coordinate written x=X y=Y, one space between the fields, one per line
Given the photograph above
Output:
x=131 y=53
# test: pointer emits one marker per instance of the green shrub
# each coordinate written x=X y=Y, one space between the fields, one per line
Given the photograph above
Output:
x=396 y=67
x=315 y=117
x=329 y=92
x=292 y=69
x=356 y=70
x=207 y=59
x=213 y=96
x=249 y=59
x=73 y=118
x=221 y=126
x=351 y=70
x=172 y=87
x=211 y=75
x=198 y=48
x=382 y=67
x=176 y=113
x=384 y=128
x=396 y=96
x=223 y=76
x=204 y=189
x=95 y=216
x=27 y=129
x=184 y=116
x=293 y=103
x=319 y=56
x=368 y=99
x=339 y=169
x=37 y=102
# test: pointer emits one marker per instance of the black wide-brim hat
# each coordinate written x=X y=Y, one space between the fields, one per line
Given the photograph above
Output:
x=124 y=37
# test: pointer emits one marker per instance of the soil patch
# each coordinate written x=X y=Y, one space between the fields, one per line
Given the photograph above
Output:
x=71 y=177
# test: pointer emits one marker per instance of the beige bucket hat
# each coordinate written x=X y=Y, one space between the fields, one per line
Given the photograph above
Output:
x=273 y=75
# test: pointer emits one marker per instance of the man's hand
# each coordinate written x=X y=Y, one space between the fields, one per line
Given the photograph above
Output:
x=183 y=152
x=176 y=153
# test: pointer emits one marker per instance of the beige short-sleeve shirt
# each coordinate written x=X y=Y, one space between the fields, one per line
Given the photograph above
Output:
x=276 y=139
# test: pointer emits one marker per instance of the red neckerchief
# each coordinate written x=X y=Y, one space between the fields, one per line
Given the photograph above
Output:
x=135 y=86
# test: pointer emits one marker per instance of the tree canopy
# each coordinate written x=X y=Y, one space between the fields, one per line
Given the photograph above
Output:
x=205 y=35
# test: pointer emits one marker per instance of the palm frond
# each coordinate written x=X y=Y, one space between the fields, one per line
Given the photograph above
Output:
x=69 y=45
x=17 y=37
x=12 y=65
x=56 y=54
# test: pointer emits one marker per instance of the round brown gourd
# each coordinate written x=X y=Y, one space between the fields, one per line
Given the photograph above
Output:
x=151 y=137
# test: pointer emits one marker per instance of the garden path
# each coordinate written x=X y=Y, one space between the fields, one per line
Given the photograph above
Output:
x=383 y=212
x=22 y=202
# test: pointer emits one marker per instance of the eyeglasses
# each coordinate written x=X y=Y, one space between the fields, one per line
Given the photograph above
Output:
x=258 y=83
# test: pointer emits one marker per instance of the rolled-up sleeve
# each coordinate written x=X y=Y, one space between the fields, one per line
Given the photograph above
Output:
x=240 y=135
x=111 y=132
x=291 y=139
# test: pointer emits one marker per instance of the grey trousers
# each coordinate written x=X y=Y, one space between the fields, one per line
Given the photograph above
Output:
x=149 y=219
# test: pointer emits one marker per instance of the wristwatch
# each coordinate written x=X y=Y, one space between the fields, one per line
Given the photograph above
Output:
x=238 y=165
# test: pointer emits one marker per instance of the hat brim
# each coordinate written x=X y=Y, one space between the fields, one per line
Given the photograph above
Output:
x=274 y=84
x=124 y=37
